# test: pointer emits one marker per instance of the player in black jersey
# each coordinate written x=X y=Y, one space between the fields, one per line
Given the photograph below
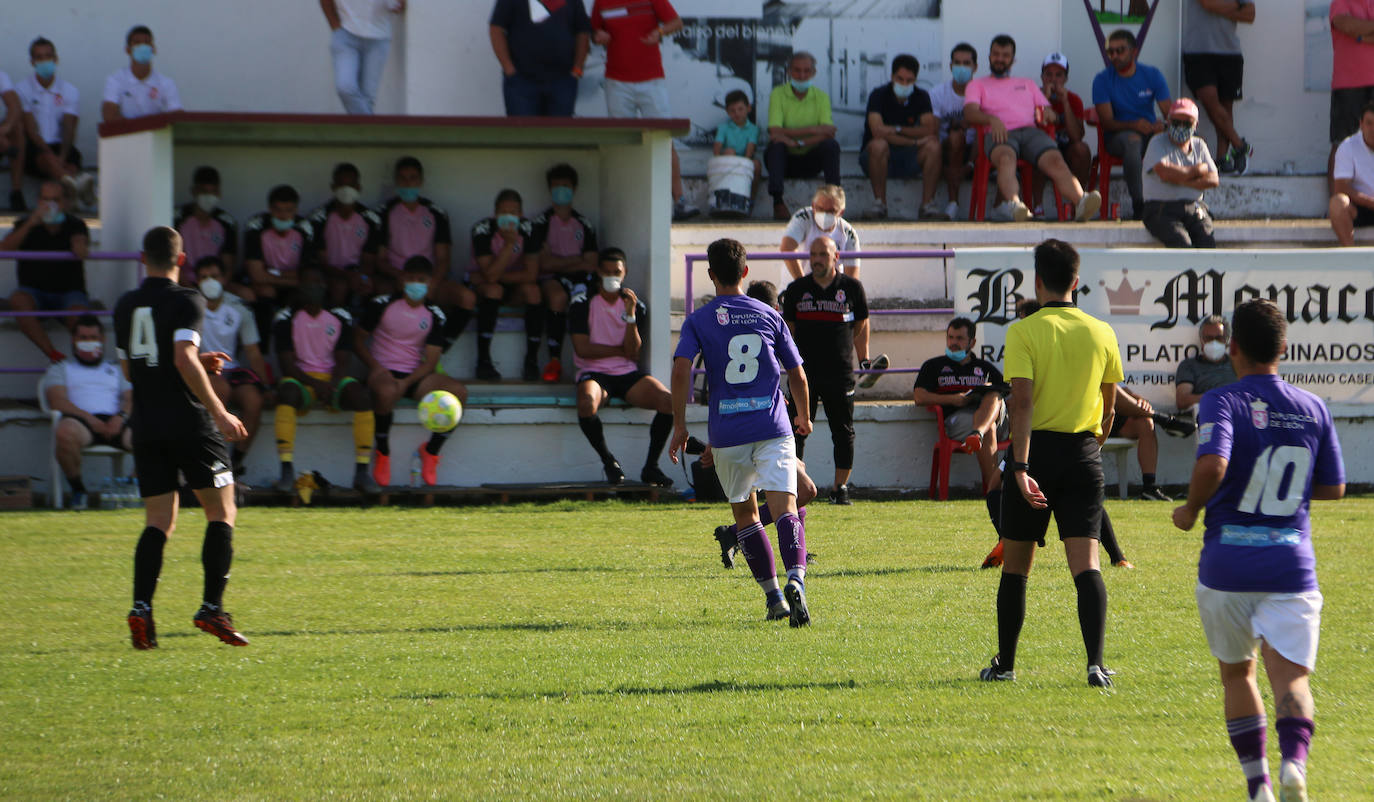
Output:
x=179 y=425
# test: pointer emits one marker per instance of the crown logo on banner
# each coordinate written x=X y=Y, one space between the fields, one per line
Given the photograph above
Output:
x=1124 y=299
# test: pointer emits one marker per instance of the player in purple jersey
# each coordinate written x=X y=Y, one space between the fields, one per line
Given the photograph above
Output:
x=1265 y=450
x=746 y=347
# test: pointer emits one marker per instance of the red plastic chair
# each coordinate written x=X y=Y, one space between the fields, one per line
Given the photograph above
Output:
x=1100 y=173
x=944 y=452
x=982 y=172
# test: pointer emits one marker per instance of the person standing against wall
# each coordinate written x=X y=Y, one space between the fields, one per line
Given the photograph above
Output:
x=359 y=41
x=542 y=46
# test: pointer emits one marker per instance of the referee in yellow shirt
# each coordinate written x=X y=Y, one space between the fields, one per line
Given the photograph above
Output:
x=1063 y=365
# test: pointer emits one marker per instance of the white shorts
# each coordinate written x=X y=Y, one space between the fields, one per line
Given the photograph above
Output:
x=1234 y=622
x=765 y=465
x=638 y=99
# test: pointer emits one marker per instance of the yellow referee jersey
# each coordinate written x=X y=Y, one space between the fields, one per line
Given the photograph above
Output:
x=1069 y=355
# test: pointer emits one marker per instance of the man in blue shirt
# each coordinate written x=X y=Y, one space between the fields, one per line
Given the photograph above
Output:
x=1265 y=450
x=746 y=348
x=1125 y=96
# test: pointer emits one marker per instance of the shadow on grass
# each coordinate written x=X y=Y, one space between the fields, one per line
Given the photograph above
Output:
x=894 y=571
x=556 y=569
x=714 y=686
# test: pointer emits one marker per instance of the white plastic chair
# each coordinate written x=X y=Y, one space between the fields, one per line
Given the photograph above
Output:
x=1121 y=446
x=55 y=476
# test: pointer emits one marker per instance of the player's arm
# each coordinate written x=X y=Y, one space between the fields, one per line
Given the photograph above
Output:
x=1351 y=25
x=1346 y=186
x=1108 y=409
x=681 y=384
x=632 y=342
x=360 y=337
x=69 y=122
x=860 y=340
x=1184 y=395
x=793 y=266
x=1208 y=472
x=927 y=398
x=1021 y=409
x=426 y=367
x=801 y=398
x=256 y=363
x=58 y=400
x=188 y=363
x=527 y=274
x=1328 y=492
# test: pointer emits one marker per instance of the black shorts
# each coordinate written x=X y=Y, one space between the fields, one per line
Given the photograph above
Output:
x=1118 y=421
x=1347 y=105
x=410 y=391
x=1068 y=468
x=237 y=377
x=202 y=458
x=1225 y=71
x=31 y=159
x=99 y=439
x=615 y=386
x=1364 y=216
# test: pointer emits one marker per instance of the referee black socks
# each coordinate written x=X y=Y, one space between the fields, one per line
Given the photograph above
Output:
x=216 y=553
x=148 y=564
x=1011 y=614
x=1092 y=613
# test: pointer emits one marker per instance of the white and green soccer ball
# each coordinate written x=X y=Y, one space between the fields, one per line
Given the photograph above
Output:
x=440 y=411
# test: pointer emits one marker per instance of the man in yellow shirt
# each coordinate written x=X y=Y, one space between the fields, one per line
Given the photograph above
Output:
x=1063 y=366
x=801 y=132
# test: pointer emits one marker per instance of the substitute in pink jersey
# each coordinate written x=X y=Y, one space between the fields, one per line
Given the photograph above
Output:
x=276 y=243
x=565 y=244
x=504 y=270
x=206 y=229
x=347 y=238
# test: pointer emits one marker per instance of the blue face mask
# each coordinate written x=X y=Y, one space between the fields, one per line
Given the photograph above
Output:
x=957 y=356
x=282 y=225
x=408 y=194
x=562 y=196
x=903 y=91
x=45 y=69
x=143 y=54
x=507 y=220
x=417 y=290
x=961 y=74
x=55 y=217
x=800 y=86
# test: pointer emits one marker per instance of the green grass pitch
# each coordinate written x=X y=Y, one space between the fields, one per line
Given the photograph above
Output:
x=600 y=651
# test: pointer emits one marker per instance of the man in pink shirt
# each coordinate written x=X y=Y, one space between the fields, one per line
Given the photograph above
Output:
x=1352 y=71
x=347 y=237
x=606 y=331
x=206 y=229
x=408 y=337
x=1009 y=109
x=503 y=269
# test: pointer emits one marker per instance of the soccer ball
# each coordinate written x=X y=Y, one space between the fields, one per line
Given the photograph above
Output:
x=440 y=411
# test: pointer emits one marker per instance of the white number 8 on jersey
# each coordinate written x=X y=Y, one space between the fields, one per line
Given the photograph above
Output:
x=744 y=351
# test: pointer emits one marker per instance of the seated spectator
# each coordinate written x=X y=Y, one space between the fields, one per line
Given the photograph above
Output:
x=900 y=136
x=276 y=243
x=402 y=361
x=1125 y=96
x=48 y=286
x=229 y=328
x=607 y=326
x=1207 y=370
x=956 y=138
x=207 y=230
x=801 y=132
x=503 y=271
x=1009 y=109
x=1352 y=73
x=739 y=135
x=12 y=121
x=138 y=90
x=347 y=238
x=564 y=244
x=94 y=398
x=44 y=135
x=314 y=350
x=970 y=389
x=1134 y=420
x=1067 y=131
x=541 y=59
x=1352 y=201
x=823 y=218
x=1177 y=169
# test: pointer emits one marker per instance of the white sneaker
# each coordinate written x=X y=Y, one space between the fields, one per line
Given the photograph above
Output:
x=878 y=211
x=1000 y=213
x=1019 y=212
x=1292 y=783
x=952 y=210
x=932 y=211
x=1263 y=794
x=1088 y=206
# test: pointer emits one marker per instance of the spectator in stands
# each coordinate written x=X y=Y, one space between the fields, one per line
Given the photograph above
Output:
x=207 y=230
x=970 y=389
x=503 y=270
x=563 y=242
x=739 y=135
x=1009 y=109
x=901 y=134
x=407 y=340
x=1177 y=170
x=1352 y=198
x=823 y=218
x=94 y=398
x=347 y=238
x=801 y=132
x=276 y=243
x=11 y=124
x=138 y=90
x=45 y=139
x=956 y=138
x=827 y=313
x=1125 y=95
x=314 y=350
x=48 y=286
x=607 y=329
x=1207 y=370
x=1213 y=68
x=542 y=48
x=359 y=43
x=1067 y=131
x=1135 y=420
x=1352 y=72
x=229 y=328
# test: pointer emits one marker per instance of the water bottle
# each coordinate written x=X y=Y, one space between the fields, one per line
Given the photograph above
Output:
x=121 y=493
x=107 y=500
x=415 y=469
x=135 y=500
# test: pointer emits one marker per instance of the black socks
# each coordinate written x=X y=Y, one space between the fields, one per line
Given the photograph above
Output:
x=1011 y=614
x=148 y=564
x=216 y=553
x=1092 y=613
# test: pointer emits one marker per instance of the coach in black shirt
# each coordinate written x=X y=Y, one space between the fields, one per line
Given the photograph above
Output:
x=828 y=315
x=966 y=387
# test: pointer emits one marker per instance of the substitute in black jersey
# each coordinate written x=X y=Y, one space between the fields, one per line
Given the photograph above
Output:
x=179 y=426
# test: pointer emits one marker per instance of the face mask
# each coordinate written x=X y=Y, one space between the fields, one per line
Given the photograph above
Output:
x=1214 y=350
x=312 y=294
x=91 y=348
x=346 y=195
x=903 y=91
x=45 y=69
x=143 y=54
x=562 y=196
x=207 y=203
x=211 y=288
x=54 y=216
x=1180 y=133
x=417 y=290
x=408 y=194
x=282 y=225
x=825 y=221
x=957 y=356
x=961 y=74
x=507 y=220
x=800 y=86
x=611 y=283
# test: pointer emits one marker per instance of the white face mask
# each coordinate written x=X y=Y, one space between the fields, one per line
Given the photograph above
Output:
x=91 y=347
x=611 y=283
x=211 y=288
x=346 y=195
x=207 y=203
x=1214 y=350
x=825 y=221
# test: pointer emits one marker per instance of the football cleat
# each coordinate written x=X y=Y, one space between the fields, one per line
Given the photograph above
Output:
x=429 y=467
x=726 y=538
x=1123 y=563
x=553 y=370
x=1173 y=425
x=614 y=474
x=796 y=599
x=1292 y=782
x=879 y=362
x=220 y=624
x=994 y=557
x=994 y=673
x=381 y=468
x=363 y=481
x=1263 y=794
x=530 y=372
x=1153 y=493
x=778 y=610
x=840 y=496
x=487 y=372
x=652 y=475
x=1100 y=677
x=141 y=629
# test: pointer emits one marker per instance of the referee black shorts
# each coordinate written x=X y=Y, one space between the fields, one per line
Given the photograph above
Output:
x=202 y=458
x=1068 y=468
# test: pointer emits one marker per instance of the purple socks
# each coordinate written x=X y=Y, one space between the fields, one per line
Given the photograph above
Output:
x=1295 y=738
x=792 y=543
x=758 y=552
x=1247 y=738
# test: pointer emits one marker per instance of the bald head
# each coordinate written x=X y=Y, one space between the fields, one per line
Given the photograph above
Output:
x=823 y=257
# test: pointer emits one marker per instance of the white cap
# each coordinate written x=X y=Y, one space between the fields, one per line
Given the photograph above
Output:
x=1056 y=58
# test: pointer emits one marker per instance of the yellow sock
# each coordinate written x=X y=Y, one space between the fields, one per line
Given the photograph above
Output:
x=364 y=427
x=285 y=426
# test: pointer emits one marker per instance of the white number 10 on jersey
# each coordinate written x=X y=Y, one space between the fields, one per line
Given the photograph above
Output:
x=143 y=337
x=1266 y=481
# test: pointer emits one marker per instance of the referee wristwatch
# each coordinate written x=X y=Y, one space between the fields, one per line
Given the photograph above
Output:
x=1018 y=467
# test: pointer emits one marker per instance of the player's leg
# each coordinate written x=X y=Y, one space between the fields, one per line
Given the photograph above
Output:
x=986 y=418
x=530 y=297
x=837 y=394
x=1077 y=499
x=775 y=464
x=1022 y=527
x=1142 y=430
x=293 y=398
x=489 y=296
x=386 y=391
x=157 y=476
x=590 y=396
x=555 y=326
x=458 y=303
x=249 y=399
x=72 y=436
x=429 y=452
x=216 y=556
x=649 y=393
x=1109 y=543
x=1228 y=623
x=353 y=396
x=1289 y=628
x=738 y=474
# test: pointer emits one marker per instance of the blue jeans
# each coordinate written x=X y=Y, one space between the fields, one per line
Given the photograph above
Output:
x=358 y=64
x=529 y=97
